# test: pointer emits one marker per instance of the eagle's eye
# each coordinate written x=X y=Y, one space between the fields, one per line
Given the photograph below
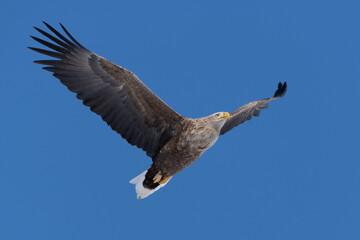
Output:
x=218 y=114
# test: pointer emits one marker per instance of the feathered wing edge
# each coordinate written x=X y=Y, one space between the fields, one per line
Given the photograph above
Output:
x=251 y=109
x=114 y=93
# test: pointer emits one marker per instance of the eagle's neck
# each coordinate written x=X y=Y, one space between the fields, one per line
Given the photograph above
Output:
x=202 y=133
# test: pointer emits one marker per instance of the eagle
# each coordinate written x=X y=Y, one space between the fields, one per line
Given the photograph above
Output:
x=130 y=108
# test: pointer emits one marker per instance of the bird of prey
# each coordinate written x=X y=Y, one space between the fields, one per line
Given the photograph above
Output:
x=172 y=141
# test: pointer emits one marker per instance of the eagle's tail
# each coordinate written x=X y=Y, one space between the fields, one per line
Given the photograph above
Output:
x=141 y=191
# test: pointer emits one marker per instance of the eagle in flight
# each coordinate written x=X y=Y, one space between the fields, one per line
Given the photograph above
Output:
x=172 y=141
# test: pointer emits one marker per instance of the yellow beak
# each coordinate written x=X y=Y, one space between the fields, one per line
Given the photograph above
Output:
x=225 y=115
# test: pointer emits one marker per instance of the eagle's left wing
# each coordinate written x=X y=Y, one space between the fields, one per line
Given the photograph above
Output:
x=251 y=109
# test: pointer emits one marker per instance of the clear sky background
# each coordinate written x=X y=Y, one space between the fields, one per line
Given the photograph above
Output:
x=292 y=173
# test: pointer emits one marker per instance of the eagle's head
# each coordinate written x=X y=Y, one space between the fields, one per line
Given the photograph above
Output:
x=221 y=116
x=218 y=119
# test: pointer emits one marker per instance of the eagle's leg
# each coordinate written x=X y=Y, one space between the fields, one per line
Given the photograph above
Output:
x=165 y=179
x=157 y=177
x=160 y=179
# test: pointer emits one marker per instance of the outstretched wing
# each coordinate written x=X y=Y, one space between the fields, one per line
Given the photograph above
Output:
x=114 y=93
x=251 y=109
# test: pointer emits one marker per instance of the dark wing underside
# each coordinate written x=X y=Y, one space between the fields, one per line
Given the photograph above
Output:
x=114 y=93
x=251 y=109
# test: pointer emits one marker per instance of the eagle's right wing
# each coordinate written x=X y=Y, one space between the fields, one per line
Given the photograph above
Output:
x=114 y=93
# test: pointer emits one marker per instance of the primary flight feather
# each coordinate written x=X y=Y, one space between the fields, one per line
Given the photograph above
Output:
x=172 y=141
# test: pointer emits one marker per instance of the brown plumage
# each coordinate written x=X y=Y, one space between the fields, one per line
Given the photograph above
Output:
x=130 y=108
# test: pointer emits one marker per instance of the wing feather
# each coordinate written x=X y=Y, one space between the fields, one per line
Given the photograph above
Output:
x=114 y=93
x=251 y=109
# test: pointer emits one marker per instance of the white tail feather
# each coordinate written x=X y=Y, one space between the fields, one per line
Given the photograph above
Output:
x=141 y=191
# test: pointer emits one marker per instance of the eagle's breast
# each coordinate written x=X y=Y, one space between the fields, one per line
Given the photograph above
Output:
x=201 y=136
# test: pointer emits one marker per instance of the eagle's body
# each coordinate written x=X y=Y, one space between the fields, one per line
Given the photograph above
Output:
x=187 y=146
x=172 y=141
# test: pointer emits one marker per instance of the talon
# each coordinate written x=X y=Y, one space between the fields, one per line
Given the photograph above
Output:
x=165 y=179
x=157 y=177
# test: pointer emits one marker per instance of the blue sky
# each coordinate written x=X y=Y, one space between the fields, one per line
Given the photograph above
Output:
x=292 y=173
